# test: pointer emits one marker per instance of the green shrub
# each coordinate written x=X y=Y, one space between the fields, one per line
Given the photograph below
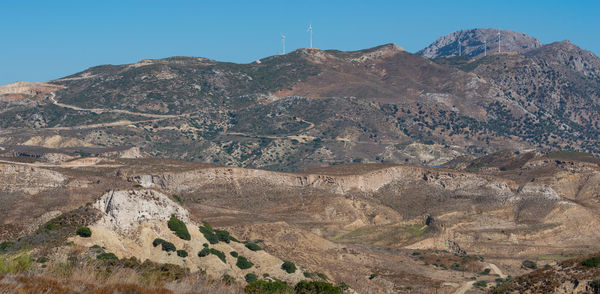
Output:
x=264 y=287
x=253 y=246
x=304 y=287
x=372 y=276
x=486 y=271
x=243 y=263
x=96 y=246
x=289 y=267
x=157 y=242
x=233 y=253
x=322 y=276
x=308 y=274
x=343 y=286
x=591 y=262
x=179 y=228
x=206 y=251
x=42 y=259
x=16 y=265
x=209 y=234
x=168 y=246
x=107 y=256
x=177 y=198
x=480 y=284
x=529 y=264
x=182 y=253
x=6 y=245
x=84 y=232
x=224 y=236
x=251 y=277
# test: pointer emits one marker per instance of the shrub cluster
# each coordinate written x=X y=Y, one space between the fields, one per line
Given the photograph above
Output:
x=179 y=228
x=206 y=251
x=591 y=262
x=529 y=264
x=84 y=232
x=253 y=246
x=182 y=253
x=289 y=267
x=243 y=263
x=302 y=287
x=251 y=277
x=107 y=256
x=166 y=246
x=233 y=253
x=214 y=236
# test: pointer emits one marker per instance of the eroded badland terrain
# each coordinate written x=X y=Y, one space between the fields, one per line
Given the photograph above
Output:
x=374 y=171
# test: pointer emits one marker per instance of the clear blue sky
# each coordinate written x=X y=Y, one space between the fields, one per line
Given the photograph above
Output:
x=43 y=40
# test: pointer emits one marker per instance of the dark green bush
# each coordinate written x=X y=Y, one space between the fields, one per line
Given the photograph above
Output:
x=182 y=253
x=322 y=276
x=486 y=271
x=372 y=276
x=168 y=246
x=289 y=267
x=224 y=236
x=480 y=284
x=207 y=251
x=157 y=242
x=84 y=232
x=42 y=259
x=6 y=245
x=343 y=286
x=209 y=234
x=264 y=287
x=529 y=264
x=107 y=256
x=204 y=252
x=243 y=263
x=251 y=277
x=179 y=228
x=308 y=274
x=591 y=262
x=177 y=198
x=233 y=253
x=253 y=246
x=304 y=287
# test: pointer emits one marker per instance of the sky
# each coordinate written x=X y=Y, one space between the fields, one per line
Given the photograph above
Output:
x=44 y=40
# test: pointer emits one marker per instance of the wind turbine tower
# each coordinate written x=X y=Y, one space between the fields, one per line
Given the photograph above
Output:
x=310 y=31
x=484 y=47
x=498 y=42
x=283 y=44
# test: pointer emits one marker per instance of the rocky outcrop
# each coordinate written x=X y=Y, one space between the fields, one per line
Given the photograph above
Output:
x=27 y=179
x=472 y=43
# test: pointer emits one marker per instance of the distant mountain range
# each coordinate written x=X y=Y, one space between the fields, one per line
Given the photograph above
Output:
x=312 y=108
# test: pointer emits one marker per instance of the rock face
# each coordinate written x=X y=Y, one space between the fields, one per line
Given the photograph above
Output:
x=26 y=179
x=472 y=43
x=124 y=210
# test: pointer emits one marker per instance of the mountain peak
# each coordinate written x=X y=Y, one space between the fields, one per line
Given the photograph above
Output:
x=472 y=43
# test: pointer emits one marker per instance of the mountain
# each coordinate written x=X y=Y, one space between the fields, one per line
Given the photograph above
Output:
x=473 y=42
x=312 y=108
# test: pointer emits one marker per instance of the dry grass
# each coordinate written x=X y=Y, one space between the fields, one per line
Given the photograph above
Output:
x=63 y=278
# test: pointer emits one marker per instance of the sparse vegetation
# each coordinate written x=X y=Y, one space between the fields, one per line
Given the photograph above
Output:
x=84 y=232
x=322 y=276
x=179 y=228
x=15 y=265
x=289 y=267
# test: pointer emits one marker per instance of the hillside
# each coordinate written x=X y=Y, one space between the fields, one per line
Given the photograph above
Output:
x=313 y=108
x=382 y=228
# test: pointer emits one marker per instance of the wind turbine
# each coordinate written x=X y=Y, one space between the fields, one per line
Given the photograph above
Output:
x=310 y=31
x=498 y=42
x=484 y=47
x=283 y=43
